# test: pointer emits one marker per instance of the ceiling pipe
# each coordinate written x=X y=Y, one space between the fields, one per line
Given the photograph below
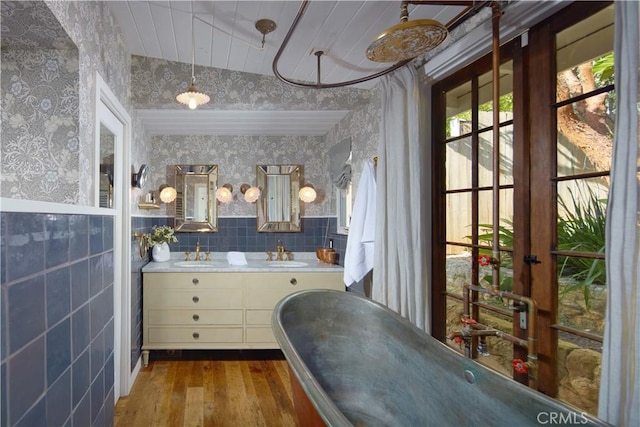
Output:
x=319 y=85
x=472 y=8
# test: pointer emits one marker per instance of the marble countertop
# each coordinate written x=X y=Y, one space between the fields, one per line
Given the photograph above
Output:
x=256 y=262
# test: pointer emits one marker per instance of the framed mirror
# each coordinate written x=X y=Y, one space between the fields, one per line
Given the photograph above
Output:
x=196 y=208
x=278 y=208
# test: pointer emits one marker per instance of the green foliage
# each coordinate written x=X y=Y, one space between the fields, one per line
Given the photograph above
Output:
x=603 y=73
x=603 y=69
x=162 y=234
x=582 y=229
x=505 y=239
x=505 y=102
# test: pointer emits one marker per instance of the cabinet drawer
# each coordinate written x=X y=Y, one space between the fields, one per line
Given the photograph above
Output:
x=259 y=317
x=194 y=317
x=260 y=335
x=195 y=335
x=193 y=280
x=266 y=293
x=220 y=298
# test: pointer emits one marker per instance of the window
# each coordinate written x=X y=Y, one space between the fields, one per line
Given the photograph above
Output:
x=557 y=102
x=344 y=204
x=344 y=207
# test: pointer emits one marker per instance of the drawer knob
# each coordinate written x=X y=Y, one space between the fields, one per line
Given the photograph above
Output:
x=195 y=299
x=196 y=317
x=196 y=335
x=195 y=281
x=293 y=281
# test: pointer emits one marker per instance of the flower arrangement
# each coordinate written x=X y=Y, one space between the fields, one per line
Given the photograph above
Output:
x=162 y=234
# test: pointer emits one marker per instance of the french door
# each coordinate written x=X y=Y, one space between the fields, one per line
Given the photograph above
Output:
x=556 y=106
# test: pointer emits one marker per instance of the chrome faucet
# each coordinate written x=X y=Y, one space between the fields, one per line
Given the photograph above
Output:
x=198 y=251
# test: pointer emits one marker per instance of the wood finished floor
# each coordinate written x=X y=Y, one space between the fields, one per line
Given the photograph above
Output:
x=236 y=392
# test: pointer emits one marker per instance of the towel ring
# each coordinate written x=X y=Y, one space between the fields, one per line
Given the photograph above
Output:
x=143 y=245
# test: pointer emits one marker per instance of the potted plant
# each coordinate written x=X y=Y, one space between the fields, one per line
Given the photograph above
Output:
x=159 y=240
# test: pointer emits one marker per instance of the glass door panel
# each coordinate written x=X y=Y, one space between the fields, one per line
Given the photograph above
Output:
x=584 y=115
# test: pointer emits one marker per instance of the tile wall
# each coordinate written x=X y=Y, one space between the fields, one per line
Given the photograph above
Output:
x=239 y=234
x=56 y=299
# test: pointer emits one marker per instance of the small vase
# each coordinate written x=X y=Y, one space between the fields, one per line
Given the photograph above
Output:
x=161 y=252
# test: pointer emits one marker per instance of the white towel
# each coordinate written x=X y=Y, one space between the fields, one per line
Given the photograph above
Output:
x=358 y=258
x=236 y=258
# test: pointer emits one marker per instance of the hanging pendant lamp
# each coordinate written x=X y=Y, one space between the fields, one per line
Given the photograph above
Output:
x=192 y=97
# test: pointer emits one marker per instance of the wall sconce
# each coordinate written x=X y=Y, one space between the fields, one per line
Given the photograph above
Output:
x=167 y=193
x=224 y=194
x=307 y=193
x=251 y=194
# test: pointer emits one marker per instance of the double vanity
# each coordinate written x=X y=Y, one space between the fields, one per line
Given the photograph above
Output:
x=216 y=305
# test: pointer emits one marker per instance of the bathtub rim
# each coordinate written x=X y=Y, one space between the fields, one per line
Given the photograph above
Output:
x=325 y=406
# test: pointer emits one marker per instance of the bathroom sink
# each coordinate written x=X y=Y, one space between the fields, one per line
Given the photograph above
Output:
x=286 y=264
x=194 y=264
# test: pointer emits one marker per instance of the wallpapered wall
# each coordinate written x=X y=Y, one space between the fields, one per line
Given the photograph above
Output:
x=101 y=49
x=40 y=124
x=39 y=105
x=236 y=157
x=155 y=83
x=362 y=125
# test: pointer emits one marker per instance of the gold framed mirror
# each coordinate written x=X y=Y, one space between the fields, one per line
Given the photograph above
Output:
x=278 y=208
x=196 y=208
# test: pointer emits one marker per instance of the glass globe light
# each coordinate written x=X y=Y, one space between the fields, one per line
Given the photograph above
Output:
x=307 y=193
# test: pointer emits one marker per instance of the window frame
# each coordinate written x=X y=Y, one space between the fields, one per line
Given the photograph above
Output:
x=534 y=128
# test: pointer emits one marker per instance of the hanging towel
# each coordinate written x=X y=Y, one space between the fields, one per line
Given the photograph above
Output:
x=358 y=258
x=236 y=258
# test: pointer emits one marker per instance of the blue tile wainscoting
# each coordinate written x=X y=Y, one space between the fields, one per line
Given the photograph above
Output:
x=56 y=305
x=240 y=234
x=56 y=299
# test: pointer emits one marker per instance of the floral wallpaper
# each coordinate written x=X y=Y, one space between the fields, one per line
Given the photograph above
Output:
x=362 y=125
x=90 y=28
x=39 y=106
x=155 y=83
x=101 y=49
x=237 y=157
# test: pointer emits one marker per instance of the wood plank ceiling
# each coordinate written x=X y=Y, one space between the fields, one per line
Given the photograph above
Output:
x=228 y=38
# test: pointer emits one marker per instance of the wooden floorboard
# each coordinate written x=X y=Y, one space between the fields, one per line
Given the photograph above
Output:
x=203 y=393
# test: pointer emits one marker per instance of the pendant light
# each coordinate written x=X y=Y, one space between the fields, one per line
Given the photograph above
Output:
x=192 y=97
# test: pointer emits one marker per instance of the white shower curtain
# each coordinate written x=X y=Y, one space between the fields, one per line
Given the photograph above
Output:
x=619 y=400
x=400 y=274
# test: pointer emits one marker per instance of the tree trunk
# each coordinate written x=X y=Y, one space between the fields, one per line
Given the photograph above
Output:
x=585 y=127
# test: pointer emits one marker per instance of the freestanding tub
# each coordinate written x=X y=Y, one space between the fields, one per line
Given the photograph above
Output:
x=355 y=362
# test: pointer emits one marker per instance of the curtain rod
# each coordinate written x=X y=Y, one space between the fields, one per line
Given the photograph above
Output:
x=472 y=8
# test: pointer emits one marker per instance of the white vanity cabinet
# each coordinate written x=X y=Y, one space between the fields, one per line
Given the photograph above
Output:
x=219 y=310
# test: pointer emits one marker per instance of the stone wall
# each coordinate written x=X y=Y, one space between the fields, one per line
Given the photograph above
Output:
x=579 y=360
